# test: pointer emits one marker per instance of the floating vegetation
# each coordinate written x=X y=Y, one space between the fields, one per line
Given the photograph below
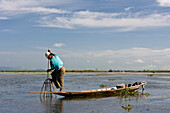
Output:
x=127 y=93
x=99 y=74
x=131 y=93
x=111 y=79
x=150 y=75
x=127 y=107
x=147 y=109
x=147 y=94
x=102 y=85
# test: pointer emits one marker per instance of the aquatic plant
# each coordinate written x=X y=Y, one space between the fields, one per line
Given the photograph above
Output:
x=148 y=109
x=111 y=79
x=147 y=94
x=102 y=85
x=127 y=107
x=127 y=93
x=131 y=93
x=150 y=75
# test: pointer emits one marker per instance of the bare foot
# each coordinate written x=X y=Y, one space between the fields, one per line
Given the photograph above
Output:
x=61 y=89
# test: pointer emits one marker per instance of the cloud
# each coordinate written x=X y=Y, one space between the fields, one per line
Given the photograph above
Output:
x=6 y=30
x=57 y=22
x=164 y=3
x=3 y=18
x=15 y=4
x=44 y=10
x=132 y=58
x=137 y=52
x=122 y=22
x=14 y=7
x=125 y=29
x=128 y=8
x=59 y=18
x=59 y=44
x=139 y=61
x=141 y=54
x=110 y=62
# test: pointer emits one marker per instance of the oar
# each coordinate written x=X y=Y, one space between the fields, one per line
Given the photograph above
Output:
x=42 y=92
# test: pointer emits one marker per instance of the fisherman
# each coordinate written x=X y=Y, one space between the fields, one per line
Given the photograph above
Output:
x=58 y=67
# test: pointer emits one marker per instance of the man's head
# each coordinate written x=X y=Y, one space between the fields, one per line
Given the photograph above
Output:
x=48 y=55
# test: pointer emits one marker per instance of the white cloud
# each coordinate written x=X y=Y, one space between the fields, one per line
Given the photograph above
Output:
x=165 y=3
x=3 y=18
x=139 y=61
x=14 y=7
x=7 y=5
x=60 y=18
x=44 y=10
x=95 y=15
x=106 y=20
x=128 y=8
x=59 y=44
x=137 y=52
x=54 y=22
x=110 y=61
x=125 y=58
x=6 y=30
x=125 y=29
x=88 y=61
x=132 y=58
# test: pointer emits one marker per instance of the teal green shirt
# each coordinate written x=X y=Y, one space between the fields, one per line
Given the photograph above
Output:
x=56 y=62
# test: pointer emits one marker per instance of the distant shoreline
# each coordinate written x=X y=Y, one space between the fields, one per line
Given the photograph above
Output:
x=127 y=72
x=122 y=71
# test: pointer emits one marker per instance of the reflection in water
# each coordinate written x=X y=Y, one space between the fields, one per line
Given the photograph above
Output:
x=57 y=105
x=47 y=99
x=136 y=98
x=14 y=96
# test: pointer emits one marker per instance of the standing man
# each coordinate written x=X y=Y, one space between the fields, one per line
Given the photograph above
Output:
x=58 y=67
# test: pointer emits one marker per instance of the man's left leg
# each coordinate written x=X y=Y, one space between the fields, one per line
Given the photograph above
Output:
x=61 y=78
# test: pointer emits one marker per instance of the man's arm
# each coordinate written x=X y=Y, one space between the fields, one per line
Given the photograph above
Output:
x=50 y=52
x=49 y=70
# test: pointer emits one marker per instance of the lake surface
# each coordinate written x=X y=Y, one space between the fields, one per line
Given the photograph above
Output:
x=14 y=96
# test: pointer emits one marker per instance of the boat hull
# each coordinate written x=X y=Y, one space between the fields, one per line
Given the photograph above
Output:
x=99 y=92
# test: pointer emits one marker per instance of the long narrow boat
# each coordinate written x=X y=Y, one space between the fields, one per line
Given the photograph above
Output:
x=102 y=92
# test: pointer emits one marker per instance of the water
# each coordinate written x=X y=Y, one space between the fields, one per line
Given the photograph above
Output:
x=14 y=96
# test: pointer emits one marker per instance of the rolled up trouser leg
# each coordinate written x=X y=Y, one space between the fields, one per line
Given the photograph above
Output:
x=58 y=77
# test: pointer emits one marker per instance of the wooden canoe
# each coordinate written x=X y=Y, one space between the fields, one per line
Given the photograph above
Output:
x=100 y=92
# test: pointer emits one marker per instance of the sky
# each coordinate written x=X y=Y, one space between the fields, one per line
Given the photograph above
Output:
x=86 y=34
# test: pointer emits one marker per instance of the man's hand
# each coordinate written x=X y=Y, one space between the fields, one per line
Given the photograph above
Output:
x=49 y=50
x=48 y=70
